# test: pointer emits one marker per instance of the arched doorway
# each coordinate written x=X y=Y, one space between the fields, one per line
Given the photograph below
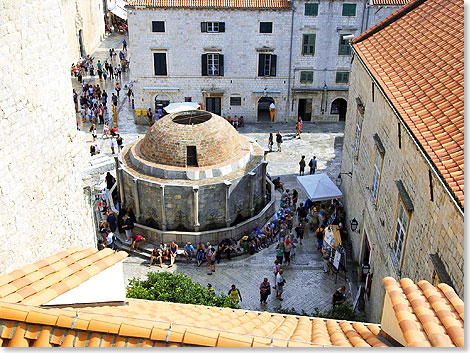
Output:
x=339 y=106
x=263 y=108
x=161 y=101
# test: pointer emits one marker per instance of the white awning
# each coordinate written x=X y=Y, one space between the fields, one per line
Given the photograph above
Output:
x=319 y=187
x=117 y=7
x=181 y=107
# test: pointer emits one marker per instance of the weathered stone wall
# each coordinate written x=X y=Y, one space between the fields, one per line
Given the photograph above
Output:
x=84 y=15
x=179 y=202
x=42 y=204
x=433 y=227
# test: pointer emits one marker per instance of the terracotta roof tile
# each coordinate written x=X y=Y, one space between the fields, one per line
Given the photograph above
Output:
x=246 y=4
x=46 y=279
x=430 y=81
x=426 y=314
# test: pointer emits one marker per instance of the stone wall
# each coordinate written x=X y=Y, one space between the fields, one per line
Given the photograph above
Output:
x=42 y=203
x=179 y=205
x=85 y=17
x=433 y=227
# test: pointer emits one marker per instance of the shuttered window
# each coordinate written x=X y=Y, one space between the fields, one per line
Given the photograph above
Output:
x=311 y=9
x=267 y=65
x=308 y=44
x=342 y=77
x=306 y=76
x=344 y=48
x=349 y=10
x=159 y=64
x=212 y=65
x=212 y=27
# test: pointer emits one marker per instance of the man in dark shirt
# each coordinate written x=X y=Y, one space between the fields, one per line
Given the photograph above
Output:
x=339 y=296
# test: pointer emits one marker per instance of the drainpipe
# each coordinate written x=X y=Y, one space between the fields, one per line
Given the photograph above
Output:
x=290 y=60
x=363 y=15
x=413 y=138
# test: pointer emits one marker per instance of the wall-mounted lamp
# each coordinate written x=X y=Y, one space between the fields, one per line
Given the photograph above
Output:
x=354 y=223
x=339 y=180
x=365 y=269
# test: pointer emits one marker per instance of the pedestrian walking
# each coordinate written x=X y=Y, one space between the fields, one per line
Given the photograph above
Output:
x=113 y=145
x=326 y=253
x=114 y=98
x=270 y=142
x=119 y=142
x=280 y=252
x=313 y=165
x=93 y=132
x=280 y=283
x=277 y=267
x=129 y=95
x=264 y=291
x=298 y=127
x=234 y=294
x=302 y=165
x=279 y=141
x=124 y=45
x=299 y=230
x=319 y=233
x=117 y=88
x=150 y=116
x=211 y=254
x=127 y=226
x=287 y=249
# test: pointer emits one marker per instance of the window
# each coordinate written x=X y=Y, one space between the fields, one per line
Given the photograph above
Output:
x=235 y=100
x=212 y=65
x=187 y=99
x=399 y=136
x=212 y=27
x=191 y=156
x=431 y=192
x=344 y=48
x=308 y=44
x=400 y=232
x=159 y=64
x=349 y=10
x=265 y=27
x=342 y=77
x=306 y=76
x=373 y=92
x=267 y=65
x=376 y=174
x=158 y=26
x=311 y=9
x=357 y=136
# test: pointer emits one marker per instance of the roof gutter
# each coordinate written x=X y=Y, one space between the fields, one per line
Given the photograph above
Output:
x=413 y=138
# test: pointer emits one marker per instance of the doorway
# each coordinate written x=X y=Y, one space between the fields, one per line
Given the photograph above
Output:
x=305 y=109
x=263 y=109
x=339 y=106
x=213 y=105
x=80 y=43
x=161 y=101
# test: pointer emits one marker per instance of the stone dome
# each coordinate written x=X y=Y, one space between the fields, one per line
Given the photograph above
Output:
x=191 y=139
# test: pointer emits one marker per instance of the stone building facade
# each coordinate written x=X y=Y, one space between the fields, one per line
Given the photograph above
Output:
x=43 y=207
x=301 y=40
x=408 y=204
x=84 y=26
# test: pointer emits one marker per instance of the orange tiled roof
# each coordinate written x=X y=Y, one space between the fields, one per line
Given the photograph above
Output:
x=417 y=56
x=45 y=280
x=246 y=4
x=391 y=2
x=428 y=316
x=439 y=313
x=155 y=324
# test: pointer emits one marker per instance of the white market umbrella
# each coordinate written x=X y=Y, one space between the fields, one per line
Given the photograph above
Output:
x=181 y=107
x=319 y=187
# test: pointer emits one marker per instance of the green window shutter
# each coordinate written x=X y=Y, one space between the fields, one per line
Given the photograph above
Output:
x=349 y=10
x=308 y=44
x=343 y=48
x=342 y=77
x=306 y=76
x=311 y=9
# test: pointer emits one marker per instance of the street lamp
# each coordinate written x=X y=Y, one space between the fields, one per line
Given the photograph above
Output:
x=339 y=180
x=354 y=224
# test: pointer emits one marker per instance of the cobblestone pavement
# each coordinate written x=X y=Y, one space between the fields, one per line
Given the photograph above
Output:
x=307 y=286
